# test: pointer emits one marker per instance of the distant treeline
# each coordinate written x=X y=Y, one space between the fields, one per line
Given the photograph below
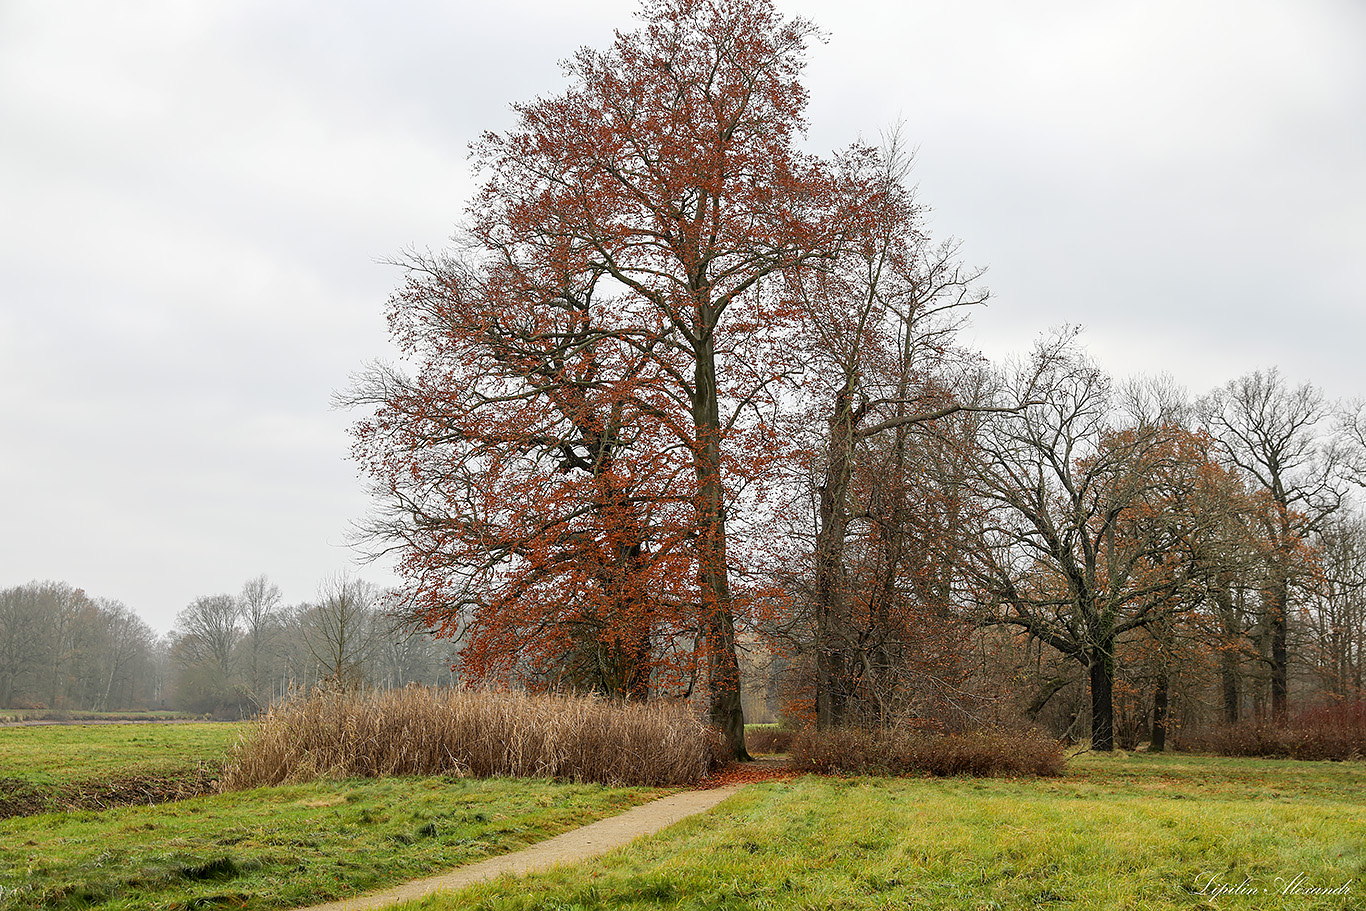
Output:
x=228 y=655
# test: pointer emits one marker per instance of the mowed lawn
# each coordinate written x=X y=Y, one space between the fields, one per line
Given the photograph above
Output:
x=1126 y=831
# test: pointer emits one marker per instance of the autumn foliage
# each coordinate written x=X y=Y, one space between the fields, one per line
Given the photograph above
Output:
x=597 y=368
x=682 y=390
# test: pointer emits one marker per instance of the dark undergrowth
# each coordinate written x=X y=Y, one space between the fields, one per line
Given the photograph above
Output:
x=902 y=751
x=765 y=740
x=1333 y=732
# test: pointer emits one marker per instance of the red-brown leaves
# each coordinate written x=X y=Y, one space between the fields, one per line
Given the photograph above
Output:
x=597 y=372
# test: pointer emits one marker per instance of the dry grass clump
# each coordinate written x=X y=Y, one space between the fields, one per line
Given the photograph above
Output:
x=1332 y=732
x=422 y=731
x=900 y=751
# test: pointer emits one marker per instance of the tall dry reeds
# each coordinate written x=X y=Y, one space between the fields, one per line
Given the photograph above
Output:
x=478 y=733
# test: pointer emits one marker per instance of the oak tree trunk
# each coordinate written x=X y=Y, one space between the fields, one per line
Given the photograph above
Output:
x=1102 y=667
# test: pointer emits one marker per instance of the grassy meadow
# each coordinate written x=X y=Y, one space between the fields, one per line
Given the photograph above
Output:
x=68 y=753
x=1129 y=831
x=285 y=846
x=75 y=766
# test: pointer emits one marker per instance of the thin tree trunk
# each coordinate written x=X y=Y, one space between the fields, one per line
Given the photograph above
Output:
x=1228 y=678
x=1159 y=740
x=1278 y=601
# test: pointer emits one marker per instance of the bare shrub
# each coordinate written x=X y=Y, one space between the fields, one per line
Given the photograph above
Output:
x=902 y=751
x=766 y=741
x=422 y=731
x=1333 y=732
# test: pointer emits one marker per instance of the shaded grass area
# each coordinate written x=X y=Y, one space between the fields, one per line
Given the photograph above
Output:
x=94 y=766
x=284 y=847
x=1125 y=831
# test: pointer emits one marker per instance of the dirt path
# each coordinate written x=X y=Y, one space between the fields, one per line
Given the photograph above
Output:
x=590 y=841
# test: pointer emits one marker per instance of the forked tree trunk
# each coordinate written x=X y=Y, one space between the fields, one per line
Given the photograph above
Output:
x=831 y=616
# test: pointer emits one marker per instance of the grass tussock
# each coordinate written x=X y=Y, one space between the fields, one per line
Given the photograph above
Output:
x=899 y=751
x=1332 y=732
x=480 y=734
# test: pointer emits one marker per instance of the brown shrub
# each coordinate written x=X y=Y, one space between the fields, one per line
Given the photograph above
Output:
x=1332 y=732
x=900 y=751
x=420 y=731
x=766 y=741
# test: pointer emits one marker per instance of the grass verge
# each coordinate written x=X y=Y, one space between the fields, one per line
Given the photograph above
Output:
x=283 y=847
x=1123 y=831
x=63 y=716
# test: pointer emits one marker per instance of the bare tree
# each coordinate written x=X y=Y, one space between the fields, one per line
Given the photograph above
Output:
x=882 y=315
x=337 y=628
x=1276 y=437
x=1087 y=534
x=25 y=638
x=1336 y=619
x=208 y=631
x=127 y=643
x=260 y=608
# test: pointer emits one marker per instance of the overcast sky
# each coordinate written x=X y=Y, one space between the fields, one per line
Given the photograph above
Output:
x=195 y=199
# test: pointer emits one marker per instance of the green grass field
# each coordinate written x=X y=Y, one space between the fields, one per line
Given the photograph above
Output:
x=286 y=846
x=1126 y=831
x=59 y=767
x=1129 y=831
x=61 y=753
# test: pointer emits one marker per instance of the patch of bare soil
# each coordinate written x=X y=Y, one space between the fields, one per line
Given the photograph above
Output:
x=23 y=798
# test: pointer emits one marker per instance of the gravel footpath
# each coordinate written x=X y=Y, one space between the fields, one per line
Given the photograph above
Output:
x=589 y=841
